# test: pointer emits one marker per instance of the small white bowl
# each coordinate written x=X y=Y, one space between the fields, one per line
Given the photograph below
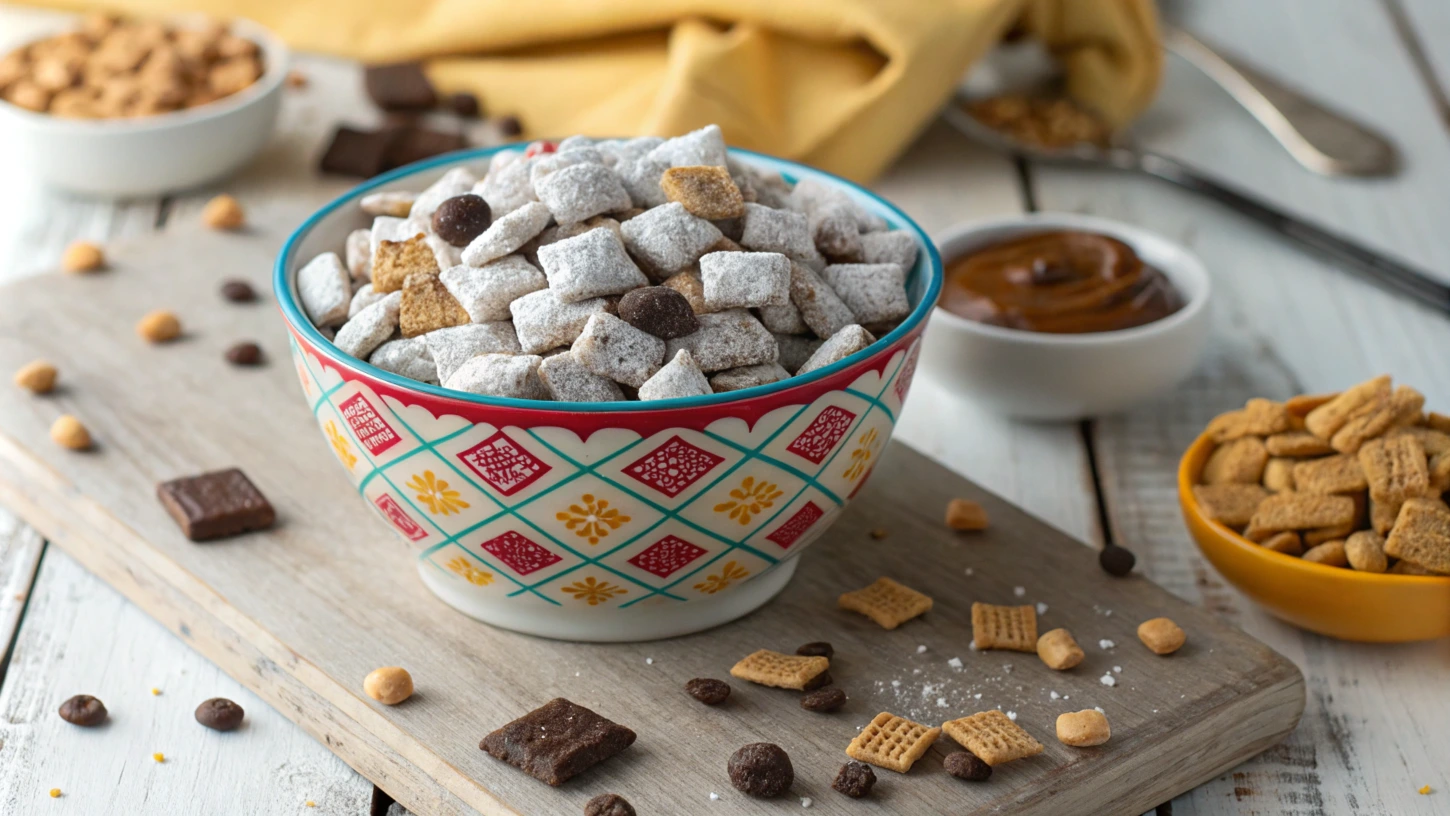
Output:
x=1041 y=376
x=151 y=155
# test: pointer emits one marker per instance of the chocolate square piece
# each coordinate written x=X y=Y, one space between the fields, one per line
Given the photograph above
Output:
x=416 y=143
x=216 y=505
x=353 y=152
x=557 y=741
x=400 y=87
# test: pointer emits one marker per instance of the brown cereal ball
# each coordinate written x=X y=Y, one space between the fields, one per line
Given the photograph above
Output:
x=68 y=432
x=36 y=376
x=761 y=769
x=223 y=213
x=83 y=710
x=159 y=326
x=608 y=804
x=389 y=685
x=1161 y=635
x=82 y=256
x=1330 y=554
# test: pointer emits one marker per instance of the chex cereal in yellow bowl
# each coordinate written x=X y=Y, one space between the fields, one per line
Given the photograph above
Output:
x=1330 y=510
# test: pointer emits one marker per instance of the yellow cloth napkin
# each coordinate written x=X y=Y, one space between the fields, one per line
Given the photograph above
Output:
x=841 y=84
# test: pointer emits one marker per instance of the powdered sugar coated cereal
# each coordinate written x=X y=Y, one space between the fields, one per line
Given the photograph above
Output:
x=612 y=348
x=506 y=234
x=794 y=350
x=734 y=379
x=453 y=346
x=325 y=289
x=766 y=230
x=729 y=339
x=841 y=345
x=820 y=307
x=582 y=191
x=359 y=253
x=698 y=147
x=874 y=292
x=485 y=292
x=370 y=327
x=500 y=375
x=364 y=297
x=543 y=322
x=507 y=186
x=680 y=377
x=898 y=247
x=569 y=381
x=407 y=357
x=784 y=319
x=588 y=266
x=667 y=238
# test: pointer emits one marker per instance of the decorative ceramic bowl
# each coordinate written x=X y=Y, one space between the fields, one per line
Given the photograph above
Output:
x=604 y=521
x=1334 y=601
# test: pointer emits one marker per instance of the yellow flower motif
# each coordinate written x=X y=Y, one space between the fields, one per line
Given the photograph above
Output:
x=592 y=518
x=749 y=499
x=593 y=591
x=339 y=445
x=436 y=494
x=729 y=574
x=468 y=572
x=861 y=456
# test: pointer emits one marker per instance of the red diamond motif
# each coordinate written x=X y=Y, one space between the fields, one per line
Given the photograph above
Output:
x=522 y=555
x=672 y=467
x=788 y=533
x=908 y=370
x=399 y=517
x=504 y=464
x=666 y=555
x=821 y=436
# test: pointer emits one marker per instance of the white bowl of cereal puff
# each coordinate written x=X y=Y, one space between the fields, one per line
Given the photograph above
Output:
x=589 y=411
x=1060 y=316
x=118 y=108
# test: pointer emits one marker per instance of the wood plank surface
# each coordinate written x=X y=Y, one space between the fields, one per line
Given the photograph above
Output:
x=302 y=613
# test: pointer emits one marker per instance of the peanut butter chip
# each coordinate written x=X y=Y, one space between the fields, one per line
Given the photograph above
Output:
x=389 y=685
x=68 y=432
x=37 y=377
x=82 y=256
x=223 y=213
x=159 y=326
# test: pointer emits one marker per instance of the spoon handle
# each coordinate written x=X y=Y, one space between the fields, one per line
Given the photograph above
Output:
x=1368 y=263
x=1318 y=138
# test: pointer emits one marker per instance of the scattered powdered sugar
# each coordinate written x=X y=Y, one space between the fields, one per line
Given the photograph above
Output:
x=1055 y=696
x=921 y=649
x=1106 y=644
x=649 y=661
x=1117 y=670
x=1041 y=608
x=969 y=571
x=1019 y=591
x=972 y=646
x=1099 y=709
x=941 y=702
x=1108 y=680
x=955 y=663
x=806 y=801
x=714 y=797
x=1012 y=715
x=896 y=684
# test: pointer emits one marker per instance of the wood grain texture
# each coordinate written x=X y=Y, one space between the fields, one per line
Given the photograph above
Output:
x=1287 y=323
x=302 y=613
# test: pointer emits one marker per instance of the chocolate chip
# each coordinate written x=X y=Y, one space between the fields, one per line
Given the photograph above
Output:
x=460 y=219
x=1117 y=560
x=244 y=354
x=354 y=152
x=761 y=769
x=510 y=126
x=658 y=310
x=966 y=765
x=708 y=691
x=816 y=648
x=215 y=505
x=83 y=710
x=219 y=714
x=465 y=104
x=416 y=144
x=238 y=291
x=400 y=86
x=824 y=700
x=557 y=741
x=819 y=681
x=855 y=779
x=608 y=804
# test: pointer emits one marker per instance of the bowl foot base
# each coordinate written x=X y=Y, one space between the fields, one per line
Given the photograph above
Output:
x=650 y=622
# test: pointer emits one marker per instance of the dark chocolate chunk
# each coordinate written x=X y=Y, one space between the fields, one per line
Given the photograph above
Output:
x=460 y=219
x=855 y=779
x=216 y=505
x=658 y=310
x=465 y=104
x=608 y=804
x=966 y=765
x=824 y=700
x=761 y=769
x=708 y=691
x=401 y=86
x=238 y=291
x=361 y=153
x=1116 y=560
x=219 y=714
x=245 y=354
x=83 y=710
x=510 y=126
x=819 y=681
x=557 y=741
x=817 y=648
x=416 y=144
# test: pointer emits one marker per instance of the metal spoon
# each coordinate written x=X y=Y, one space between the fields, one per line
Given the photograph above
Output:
x=1366 y=262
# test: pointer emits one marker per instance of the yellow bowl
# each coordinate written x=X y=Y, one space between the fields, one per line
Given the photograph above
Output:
x=1333 y=601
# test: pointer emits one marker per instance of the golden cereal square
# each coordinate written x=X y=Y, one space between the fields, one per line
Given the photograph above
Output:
x=993 y=737
x=1434 y=442
x=1400 y=408
x=892 y=742
x=1004 y=627
x=780 y=670
x=1259 y=417
x=1421 y=535
x=1299 y=511
x=396 y=260
x=1279 y=474
x=1297 y=443
x=885 y=601
x=1326 y=419
x=1230 y=504
x=1395 y=468
x=1331 y=474
x=1240 y=461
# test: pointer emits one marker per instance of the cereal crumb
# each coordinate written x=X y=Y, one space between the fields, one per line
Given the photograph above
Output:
x=649 y=661
x=159 y=326
x=878 y=533
x=223 y=213
x=37 y=377
x=159 y=757
x=297 y=79
x=1012 y=715
x=1041 y=608
x=55 y=793
x=714 y=797
x=155 y=691
x=1099 y=709
x=1019 y=591
x=1425 y=791
x=977 y=696
x=806 y=801
x=310 y=803
x=955 y=662
x=1106 y=644
x=82 y=256
x=1055 y=696
x=965 y=515
x=1108 y=680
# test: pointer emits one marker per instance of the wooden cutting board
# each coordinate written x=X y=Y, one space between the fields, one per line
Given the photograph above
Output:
x=301 y=613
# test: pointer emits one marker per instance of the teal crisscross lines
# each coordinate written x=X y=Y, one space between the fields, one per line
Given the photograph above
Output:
x=596 y=560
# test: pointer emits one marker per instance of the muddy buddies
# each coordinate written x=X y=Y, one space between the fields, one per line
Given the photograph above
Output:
x=598 y=271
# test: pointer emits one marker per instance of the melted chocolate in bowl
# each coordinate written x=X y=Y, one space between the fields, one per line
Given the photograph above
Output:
x=1062 y=282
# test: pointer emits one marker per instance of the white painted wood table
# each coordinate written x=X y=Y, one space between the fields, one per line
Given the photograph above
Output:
x=1284 y=323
